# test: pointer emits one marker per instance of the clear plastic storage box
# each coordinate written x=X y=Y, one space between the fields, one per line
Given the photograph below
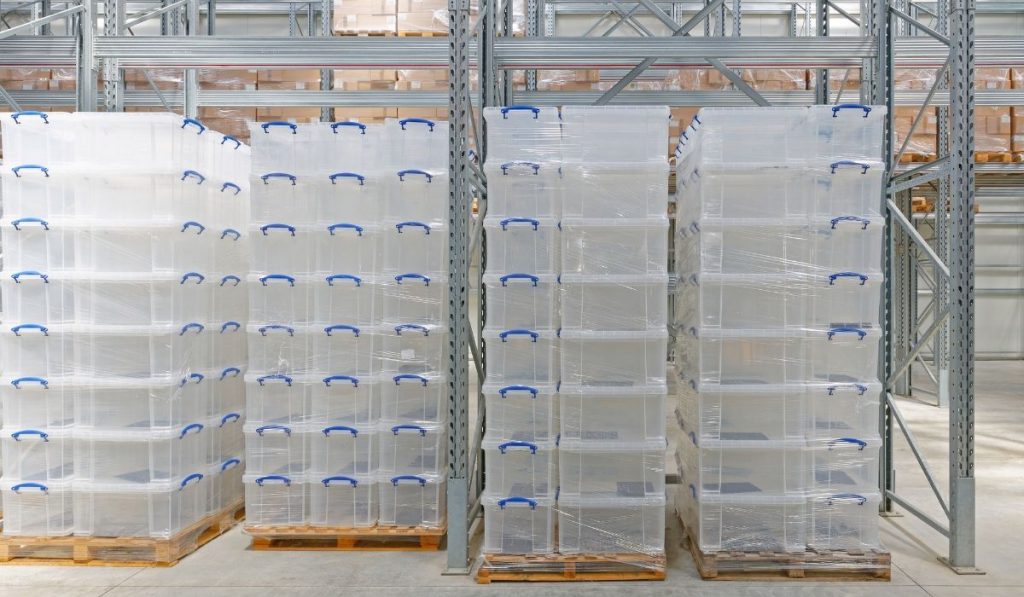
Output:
x=413 y=246
x=751 y=136
x=843 y=521
x=350 y=195
x=611 y=413
x=314 y=299
x=415 y=298
x=613 y=358
x=141 y=404
x=640 y=134
x=522 y=300
x=276 y=449
x=848 y=186
x=750 y=469
x=345 y=247
x=518 y=524
x=611 y=469
x=737 y=190
x=43 y=455
x=521 y=468
x=415 y=143
x=408 y=448
x=158 y=510
x=278 y=197
x=417 y=194
x=611 y=525
x=522 y=187
x=614 y=246
x=288 y=349
x=414 y=348
x=522 y=356
x=607 y=191
x=414 y=397
x=753 y=523
x=278 y=399
x=750 y=413
x=845 y=464
x=227 y=439
x=275 y=500
x=226 y=489
x=140 y=456
x=36 y=509
x=843 y=410
x=37 y=402
x=412 y=500
x=522 y=244
x=342 y=450
x=847 y=131
x=521 y=412
x=523 y=132
x=283 y=248
x=612 y=303
x=346 y=501
x=346 y=400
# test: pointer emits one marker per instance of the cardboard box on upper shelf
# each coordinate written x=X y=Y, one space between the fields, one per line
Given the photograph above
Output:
x=288 y=79
x=365 y=80
x=356 y=17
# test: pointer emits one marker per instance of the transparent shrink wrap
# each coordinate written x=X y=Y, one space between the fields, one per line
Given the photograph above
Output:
x=523 y=134
x=36 y=402
x=613 y=191
x=640 y=133
x=417 y=194
x=226 y=488
x=844 y=409
x=279 y=145
x=611 y=413
x=277 y=449
x=628 y=247
x=844 y=521
x=749 y=523
x=411 y=246
x=38 y=455
x=412 y=500
x=339 y=250
x=37 y=509
x=521 y=412
x=611 y=469
x=158 y=510
x=227 y=439
x=281 y=351
x=419 y=143
x=414 y=398
x=745 y=468
x=522 y=244
x=413 y=449
x=522 y=300
x=228 y=392
x=275 y=500
x=608 y=525
x=618 y=358
x=158 y=403
x=992 y=129
x=612 y=303
x=746 y=413
x=924 y=141
x=522 y=356
x=314 y=299
x=517 y=524
x=414 y=298
x=413 y=348
x=139 y=457
x=523 y=187
x=844 y=464
x=345 y=501
x=521 y=468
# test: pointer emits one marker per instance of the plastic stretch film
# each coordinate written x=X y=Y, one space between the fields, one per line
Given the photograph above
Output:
x=779 y=403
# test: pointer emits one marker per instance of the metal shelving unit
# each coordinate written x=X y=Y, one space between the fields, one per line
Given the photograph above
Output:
x=107 y=46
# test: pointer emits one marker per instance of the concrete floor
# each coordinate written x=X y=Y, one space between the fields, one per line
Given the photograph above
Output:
x=226 y=568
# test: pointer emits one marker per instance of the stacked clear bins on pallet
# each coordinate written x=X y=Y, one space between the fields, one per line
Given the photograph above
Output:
x=521 y=284
x=778 y=244
x=346 y=389
x=614 y=284
x=122 y=351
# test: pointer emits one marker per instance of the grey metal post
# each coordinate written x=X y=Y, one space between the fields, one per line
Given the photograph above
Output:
x=211 y=17
x=86 y=60
x=532 y=10
x=459 y=206
x=191 y=107
x=113 y=77
x=326 y=74
x=821 y=92
x=941 y=353
x=961 y=288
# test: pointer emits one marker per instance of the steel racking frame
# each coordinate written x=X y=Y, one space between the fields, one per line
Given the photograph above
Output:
x=489 y=49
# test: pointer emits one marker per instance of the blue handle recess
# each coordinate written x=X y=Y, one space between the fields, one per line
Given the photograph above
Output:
x=356 y=227
x=30 y=326
x=198 y=276
x=17 y=169
x=405 y=121
x=507 y=165
x=409 y=427
x=16 y=436
x=232 y=231
x=350 y=480
x=342 y=326
x=276 y=326
x=30 y=485
x=861 y=388
x=261 y=430
x=191 y=426
x=227 y=324
x=532 y=278
x=400 y=277
x=847 y=329
x=396 y=480
x=285 y=277
x=266 y=177
x=836 y=109
x=849 y=163
x=198 y=377
x=277 y=226
x=189 y=479
x=856 y=497
x=360 y=126
x=331 y=278
x=518 y=388
x=833 y=277
x=504 y=223
x=39 y=380
x=229 y=418
x=349 y=378
x=30 y=273
x=195 y=123
x=402 y=174
x=425 y=227
x=412 y=326
x=37 y=113
x=193 y=174
x=229 y=278
x=520 y=108
x=327 y=430
x=285 y=480
x=230 y=462
x=266 y=126
x=861 y=444
x=193 y=224
x=230 y=185
x=275 y=377
x=334 y=177
x=518 y=332
x=232 y=139
x=515 y=499
x=398 y=378
x=864 y=221
x=503 y=447
x=235 y=370
x=17 y=223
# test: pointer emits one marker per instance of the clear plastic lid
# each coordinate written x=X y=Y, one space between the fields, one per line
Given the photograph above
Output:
x=150 y=488
x=578 y=445
x=638 y=390
x=545 y=389
x=656 y=334
x=582 y=501
x=505 y=445
x=491 y=500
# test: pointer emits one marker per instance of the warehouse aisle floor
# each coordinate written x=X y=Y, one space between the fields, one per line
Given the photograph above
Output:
x=225 y=567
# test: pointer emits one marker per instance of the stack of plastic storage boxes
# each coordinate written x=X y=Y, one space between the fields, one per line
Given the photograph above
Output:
x=779 y=240
x=521 y=282
x=346 y=390
x=121 y=348
x=614 y=287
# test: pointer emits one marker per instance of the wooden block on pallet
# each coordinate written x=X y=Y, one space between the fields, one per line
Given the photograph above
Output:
x=993 y=157
x=570 y=568
x=378 y=538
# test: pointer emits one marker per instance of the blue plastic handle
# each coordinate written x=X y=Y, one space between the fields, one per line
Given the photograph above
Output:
x=261 y=430
x=230 y=462
x=334 y=177
x=198 y=276
x=409 y=427
x=266 y=126
x=405 y=121
x=18 y=115
x=356 y=227
x=261 y=480
x=230 y=185
x=184 y=431
x=693 y=490
x=30 y=326
x=276 y=326
x=30 y=273
x=515 y=499
x=861 y=444
x=266 y=177
x=193 y=174
x=861 y=388
x=331 y=278
x=195 y=123
x=277 y=226
x=227 y=324
x=350 y=480
x=17 y=169
x=198 y=327
x=518 y=332
x=349 y=378
x=327 y=430
x=504 y=223
x=230 y=277
x=396 y=480
x=849 y=163
x=836 y=109
x=400 y=277
x=503 y=447
x=520 y=108
x=227 y=370
x=360 y=126
x=864 y=221
x=861 y=500
x=403 y=173
x=833 y=277
x=228 y=231
x=411 y=326
x=189 y=479
x=17 y=223
x=39 y=380
x=285 y=277
x=425 y=227
x=232 y=139
x=342 y=326
x=507 y=165
x=198 y=377
x=193 y=224
x=30 y=485
x=398 y=378
x=274 y=377
x=847 y=329
x=229 y=418
x=16 y=436
x=518 y=388
x=532 y=278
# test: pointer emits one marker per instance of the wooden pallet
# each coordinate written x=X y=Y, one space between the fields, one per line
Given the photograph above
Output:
x=379 y=538
x=567 y=568
x=838 y=566
x=364 y=33
x=911 y=157
x=118 y=551
x=422 y=34
x=993 y=157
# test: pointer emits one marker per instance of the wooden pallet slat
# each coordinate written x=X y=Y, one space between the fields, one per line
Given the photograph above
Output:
x=993 y=157
x=378 y=538
x=569 y=568
x=119 y=551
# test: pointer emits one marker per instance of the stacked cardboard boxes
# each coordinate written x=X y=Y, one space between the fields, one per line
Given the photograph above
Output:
x=1017 y=117
x=361 y=17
